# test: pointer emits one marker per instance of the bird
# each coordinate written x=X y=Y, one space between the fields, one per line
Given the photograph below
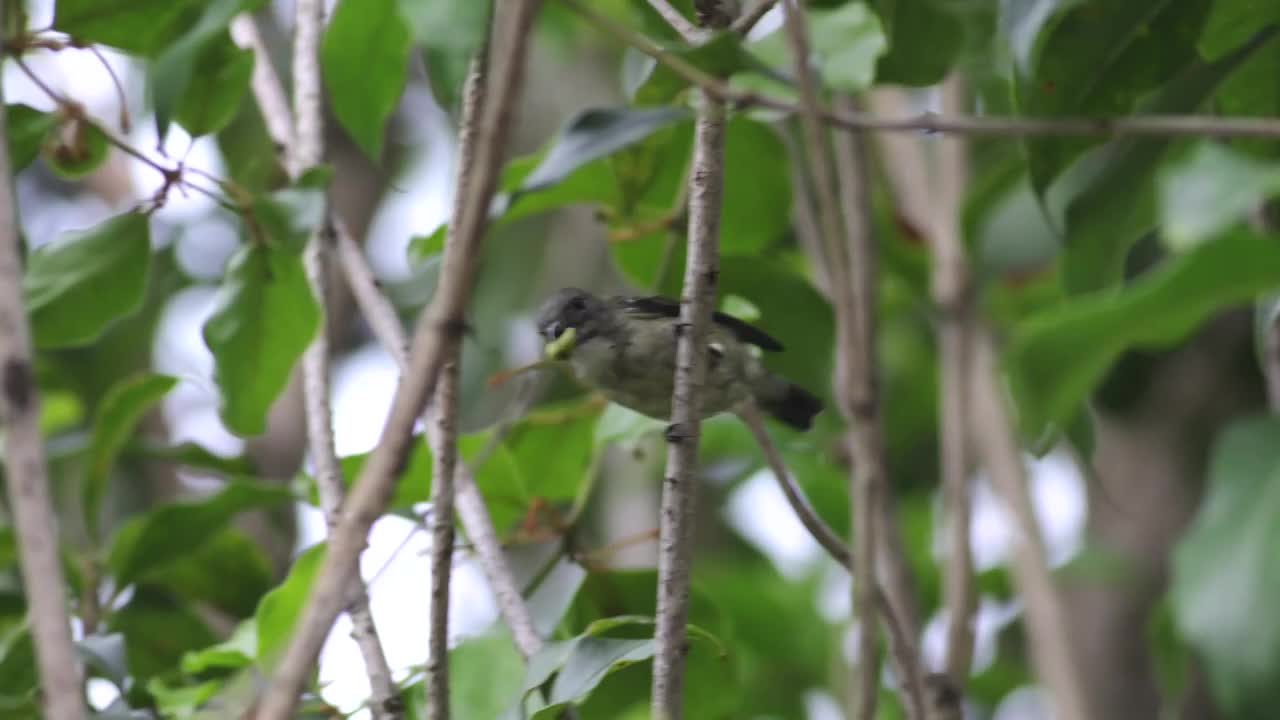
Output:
x=625 y=347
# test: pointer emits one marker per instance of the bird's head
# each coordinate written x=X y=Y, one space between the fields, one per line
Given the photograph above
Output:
x=572 y=309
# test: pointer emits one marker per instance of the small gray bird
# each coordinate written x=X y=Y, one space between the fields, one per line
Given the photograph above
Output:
x=625 y=347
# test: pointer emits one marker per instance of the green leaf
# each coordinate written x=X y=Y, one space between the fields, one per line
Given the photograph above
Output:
x=158 y=628
x=17 y=661
x=264 y=318
x=1226 y=573
x=279 y=609
x=720 y=56
x=1115 y=203
x=413 y=483
x=229 y=572
x=450 y=33
x=236 y=652
x=136 y=26
x=1209 y=190
x=117 y=416
x=591 y=660
x=1232 y=22
x=27 y=130
x=218 y=84
x=1059 y=355
x=485 y=676
x=924 y=39
x=172 y=72
x=1099 y=58
x=77 y=286
x=75 y=148
x=172 y=532
x=363 y=57
x=846 y=41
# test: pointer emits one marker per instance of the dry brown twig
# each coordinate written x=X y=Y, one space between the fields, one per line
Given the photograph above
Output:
x=27 y=477
x=440 y=321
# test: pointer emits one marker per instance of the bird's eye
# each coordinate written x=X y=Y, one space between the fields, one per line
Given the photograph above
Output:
x=577 y=304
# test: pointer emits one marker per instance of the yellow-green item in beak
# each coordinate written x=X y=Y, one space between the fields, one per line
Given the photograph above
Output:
x=560 y=348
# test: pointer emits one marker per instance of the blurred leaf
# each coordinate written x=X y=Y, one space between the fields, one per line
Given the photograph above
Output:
x=554 y=593
x=1116 y=203
x=229 y=572
x=1099 y=58
x=593 y=134
x=450 y=33
x=78 y=285
x=364 y=55
x=171 y=74
x=1253 y=90
x=18 y=662
x=74 y=148
x=1226 y=573
x=485 y=676
x=191 y=455
x=846 y=42
x=106 y=654
x=756 y=206
x=924 y=39
x=135 y=26
x=236 y=652
x=1058 y=356
x=265 y=316
x=181 y=701
x=1023 y=21
x=59 y=411
x=1209 y=190
x=157 y=629
x=590 y=661
x=279 y=609
x=1232 y=22
x=117 y=416
x=621 y=425
x=720 y=56
x=27 y=130
x=218 y=83
x=171 y=532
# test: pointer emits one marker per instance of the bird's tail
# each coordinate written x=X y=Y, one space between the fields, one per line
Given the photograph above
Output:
x=788 y=403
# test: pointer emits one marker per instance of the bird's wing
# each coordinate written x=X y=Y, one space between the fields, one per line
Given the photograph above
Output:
x=658 y=306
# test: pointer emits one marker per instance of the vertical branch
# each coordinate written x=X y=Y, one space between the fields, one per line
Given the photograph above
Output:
x=28 y=477
x=444 y=441
x=306 y=150
x=852 y=295
x=1051 y=643
x=678 y=490
x=950 y=289
x=438 y=323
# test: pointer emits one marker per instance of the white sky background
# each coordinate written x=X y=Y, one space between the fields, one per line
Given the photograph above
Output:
x=364 y=382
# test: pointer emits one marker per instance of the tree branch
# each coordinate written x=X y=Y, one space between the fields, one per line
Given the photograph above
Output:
x=1051 y=642
x=306 y=151
x=27 y=477
x=748 y=19
x=689 y=32
x=1158 y=125
x=438 y=324
x=679 y=490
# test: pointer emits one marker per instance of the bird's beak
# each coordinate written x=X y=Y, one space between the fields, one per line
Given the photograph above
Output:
x=554 y=330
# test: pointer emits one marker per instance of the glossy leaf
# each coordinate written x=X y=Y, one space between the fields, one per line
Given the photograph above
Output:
x=121 y=410
x=279 y=609
x=450 y=32
x=217 y=87
x=27 y=130
x=1226 y=573
x=363 y=58
x=265 y=316
x=171 y=532
x=846 y=41
x=485 y=674
x=1211 y=189
x=80 y=284
x=1058 y=356
x=721 y=56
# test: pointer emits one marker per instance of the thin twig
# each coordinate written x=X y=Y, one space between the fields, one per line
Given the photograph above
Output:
x=747 y=20
x=442 y=319
x=689 y=32
x=306 y=151
x=1046 y=622
x=678 y=490
x=267 y=89
x=27 y=477
x=1158 y=125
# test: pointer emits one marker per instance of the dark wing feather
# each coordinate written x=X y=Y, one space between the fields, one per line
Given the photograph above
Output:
x=658 y=306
